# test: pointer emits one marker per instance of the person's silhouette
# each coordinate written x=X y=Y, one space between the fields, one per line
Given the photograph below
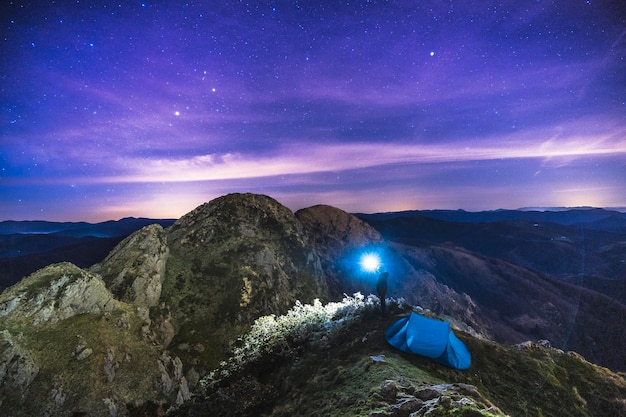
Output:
x=381 y=290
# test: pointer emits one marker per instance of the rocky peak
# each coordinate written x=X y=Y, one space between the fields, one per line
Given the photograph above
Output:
x=245 y=215
x=135 y=269
x=232 y=260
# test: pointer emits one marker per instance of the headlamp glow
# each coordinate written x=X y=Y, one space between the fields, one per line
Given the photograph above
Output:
x=370 y=262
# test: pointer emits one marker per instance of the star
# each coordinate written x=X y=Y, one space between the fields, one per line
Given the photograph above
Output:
x=312 y=94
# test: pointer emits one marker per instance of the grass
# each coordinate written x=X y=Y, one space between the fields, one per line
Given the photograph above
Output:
x=328 y=370
x=82 y=382
x=314 y=360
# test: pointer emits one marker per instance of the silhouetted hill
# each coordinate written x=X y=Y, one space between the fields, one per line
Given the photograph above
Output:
x=560 y=249
x=37 y=226
x=595 y=218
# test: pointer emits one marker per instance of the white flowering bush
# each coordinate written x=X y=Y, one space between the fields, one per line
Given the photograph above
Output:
x=280 y=336
x=273 y=337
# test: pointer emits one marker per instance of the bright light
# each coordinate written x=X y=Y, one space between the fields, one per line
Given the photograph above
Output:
x=370 y=262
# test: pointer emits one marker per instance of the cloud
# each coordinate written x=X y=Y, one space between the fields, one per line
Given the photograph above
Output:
x=559 y=148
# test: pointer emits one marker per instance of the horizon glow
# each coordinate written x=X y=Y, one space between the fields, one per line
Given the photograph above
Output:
x=151 y=109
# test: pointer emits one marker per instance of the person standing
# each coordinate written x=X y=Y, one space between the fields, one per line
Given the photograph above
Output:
x=381 y=290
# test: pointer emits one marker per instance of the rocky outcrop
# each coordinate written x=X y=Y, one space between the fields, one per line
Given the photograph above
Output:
x=401 y=398
x=171 y=378
x=70 y=348
x=56 y=293
x=135 y=270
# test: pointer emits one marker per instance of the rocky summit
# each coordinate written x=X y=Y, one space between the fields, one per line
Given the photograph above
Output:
x=140 y=328
x=174 y=320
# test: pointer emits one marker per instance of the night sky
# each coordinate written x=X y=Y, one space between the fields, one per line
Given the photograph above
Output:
x=115 y=109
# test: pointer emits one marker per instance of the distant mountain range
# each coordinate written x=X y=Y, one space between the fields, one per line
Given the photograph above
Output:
x=26 y=246
x=585 y=247
x=597 y=218
x=111 y=228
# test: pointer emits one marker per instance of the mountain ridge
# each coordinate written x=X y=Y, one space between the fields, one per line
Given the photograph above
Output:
x=566 y=216
x=181 y=297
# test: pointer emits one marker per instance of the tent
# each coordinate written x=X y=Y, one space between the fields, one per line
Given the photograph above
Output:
x=430 y=338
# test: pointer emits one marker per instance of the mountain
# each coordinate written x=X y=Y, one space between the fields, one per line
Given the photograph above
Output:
x=555 y=280
x=234 y=309
x=26 y=246
x=574 y=216
x=111 y=228
x=589 y=253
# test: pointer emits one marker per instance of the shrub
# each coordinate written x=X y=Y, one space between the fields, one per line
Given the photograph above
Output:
x=273 y=338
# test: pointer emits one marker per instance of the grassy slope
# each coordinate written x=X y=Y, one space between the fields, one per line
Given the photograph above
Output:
x=335 y=376
x=82 y=382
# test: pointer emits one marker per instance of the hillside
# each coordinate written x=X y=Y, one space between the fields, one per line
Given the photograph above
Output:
x=558 y=246
x=163 y=317
x=333 y=361
x=561 y=280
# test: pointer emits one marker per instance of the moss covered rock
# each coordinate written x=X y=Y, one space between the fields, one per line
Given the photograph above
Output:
x=56 y=293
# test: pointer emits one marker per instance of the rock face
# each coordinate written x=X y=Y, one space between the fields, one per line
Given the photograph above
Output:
x=69 y=348
x=135 y=270
x=56 y=293
x=17 y=367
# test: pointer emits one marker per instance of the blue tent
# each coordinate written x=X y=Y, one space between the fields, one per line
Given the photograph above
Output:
x=429 y=337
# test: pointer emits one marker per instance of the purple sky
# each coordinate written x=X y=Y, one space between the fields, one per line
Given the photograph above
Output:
x=130 y=108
